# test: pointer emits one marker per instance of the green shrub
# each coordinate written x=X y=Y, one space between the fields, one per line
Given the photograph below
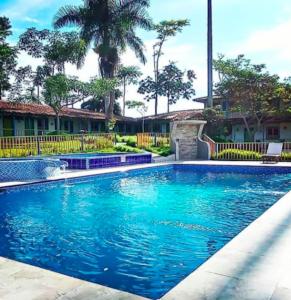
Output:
x=58 y=133
x=286 y=156
x=162 y=151
x=234 y=154
x=129 y=140
x=125 y=148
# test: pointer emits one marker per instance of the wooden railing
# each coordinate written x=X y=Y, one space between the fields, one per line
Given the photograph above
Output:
x=247 y=151
x=60 y=144
x=146 y=140
x=211 y=143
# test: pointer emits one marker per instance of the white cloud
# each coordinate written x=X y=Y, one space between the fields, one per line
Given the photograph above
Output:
x=22 y=9
x=31 y=20
x=271 y=46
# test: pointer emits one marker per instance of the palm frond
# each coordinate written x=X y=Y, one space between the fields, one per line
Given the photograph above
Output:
x=136 y=44
x=68 y=15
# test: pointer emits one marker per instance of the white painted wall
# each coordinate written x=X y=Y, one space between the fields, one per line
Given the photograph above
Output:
x=164 y=128
x=19 y=126
x=35 y=127
x=259 y=135
x=285 y=131
x=237 y=133
x=76 y=125
x=51 y=124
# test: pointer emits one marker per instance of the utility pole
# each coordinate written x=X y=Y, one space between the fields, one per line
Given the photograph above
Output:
x=209 y=55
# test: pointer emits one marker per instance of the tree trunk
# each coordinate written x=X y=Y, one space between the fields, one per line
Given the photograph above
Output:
x=210 y=55
x=124 y=91
x=251 y=135
x=156 y=104
x=37 y=89
x=142 y=124
x=111 y=105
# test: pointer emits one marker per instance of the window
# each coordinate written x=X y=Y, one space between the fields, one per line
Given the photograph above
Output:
x=42 y=125
x=273 y=133
x=66 y=125
x=71 y=125
x=29 y=126
x=94 y=126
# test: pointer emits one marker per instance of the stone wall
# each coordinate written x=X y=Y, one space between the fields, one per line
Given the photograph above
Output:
x=184 y=138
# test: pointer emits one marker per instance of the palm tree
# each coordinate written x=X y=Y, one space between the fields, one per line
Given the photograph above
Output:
x=110 y=26
x=127 y=75
x=210 y=54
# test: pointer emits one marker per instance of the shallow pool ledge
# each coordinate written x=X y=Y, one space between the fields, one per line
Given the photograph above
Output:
x=21 y=281
x=256 y=264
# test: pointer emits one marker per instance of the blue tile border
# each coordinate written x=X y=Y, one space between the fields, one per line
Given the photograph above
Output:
x=106 y=161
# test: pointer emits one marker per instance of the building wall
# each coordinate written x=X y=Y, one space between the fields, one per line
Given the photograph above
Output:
x=238 y=133
x=51 y=124
x=19 y=126
x=285 y=131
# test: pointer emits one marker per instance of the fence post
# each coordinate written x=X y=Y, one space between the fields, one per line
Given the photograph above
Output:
x=82 y=141
x=216 y=150
x=38 y=145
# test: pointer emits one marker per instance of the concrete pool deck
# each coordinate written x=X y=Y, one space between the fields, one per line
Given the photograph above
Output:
x=256 y=264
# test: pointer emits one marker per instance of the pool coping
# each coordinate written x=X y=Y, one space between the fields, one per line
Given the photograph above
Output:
x=250 y=266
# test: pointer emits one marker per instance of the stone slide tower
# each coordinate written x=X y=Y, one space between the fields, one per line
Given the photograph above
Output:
x=186 y=140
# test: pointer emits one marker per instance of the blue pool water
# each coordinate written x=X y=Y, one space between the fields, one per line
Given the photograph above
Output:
x=140 y=231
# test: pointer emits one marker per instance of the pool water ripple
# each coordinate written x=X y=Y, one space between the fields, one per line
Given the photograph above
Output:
x=141 y=231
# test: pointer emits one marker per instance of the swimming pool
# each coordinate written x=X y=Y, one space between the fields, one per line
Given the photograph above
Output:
x=141 y=231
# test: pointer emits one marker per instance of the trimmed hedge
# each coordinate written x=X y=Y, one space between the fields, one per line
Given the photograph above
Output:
x=162 y=151
x=125 y=148
x=129 y=140
x=234 y=154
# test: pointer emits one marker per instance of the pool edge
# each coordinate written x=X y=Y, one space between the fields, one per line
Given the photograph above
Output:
x=202 y=276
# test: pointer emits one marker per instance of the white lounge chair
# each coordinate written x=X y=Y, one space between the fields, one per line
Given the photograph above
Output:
x=273 y=153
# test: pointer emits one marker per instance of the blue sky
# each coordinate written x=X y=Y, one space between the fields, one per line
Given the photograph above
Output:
x=258 y=28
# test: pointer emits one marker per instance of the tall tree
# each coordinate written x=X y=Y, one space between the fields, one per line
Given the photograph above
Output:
x=22 y=89
x=128 y=75
x=8 y=56
x=39 y=76
x=164 y=29
x=97 y=105
x=110 y=26
x=172 y=85
x=140 y=107
x=60 y=90
x=97 y=91
x=209 y=55
x=252 y=91
x=56 y=48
